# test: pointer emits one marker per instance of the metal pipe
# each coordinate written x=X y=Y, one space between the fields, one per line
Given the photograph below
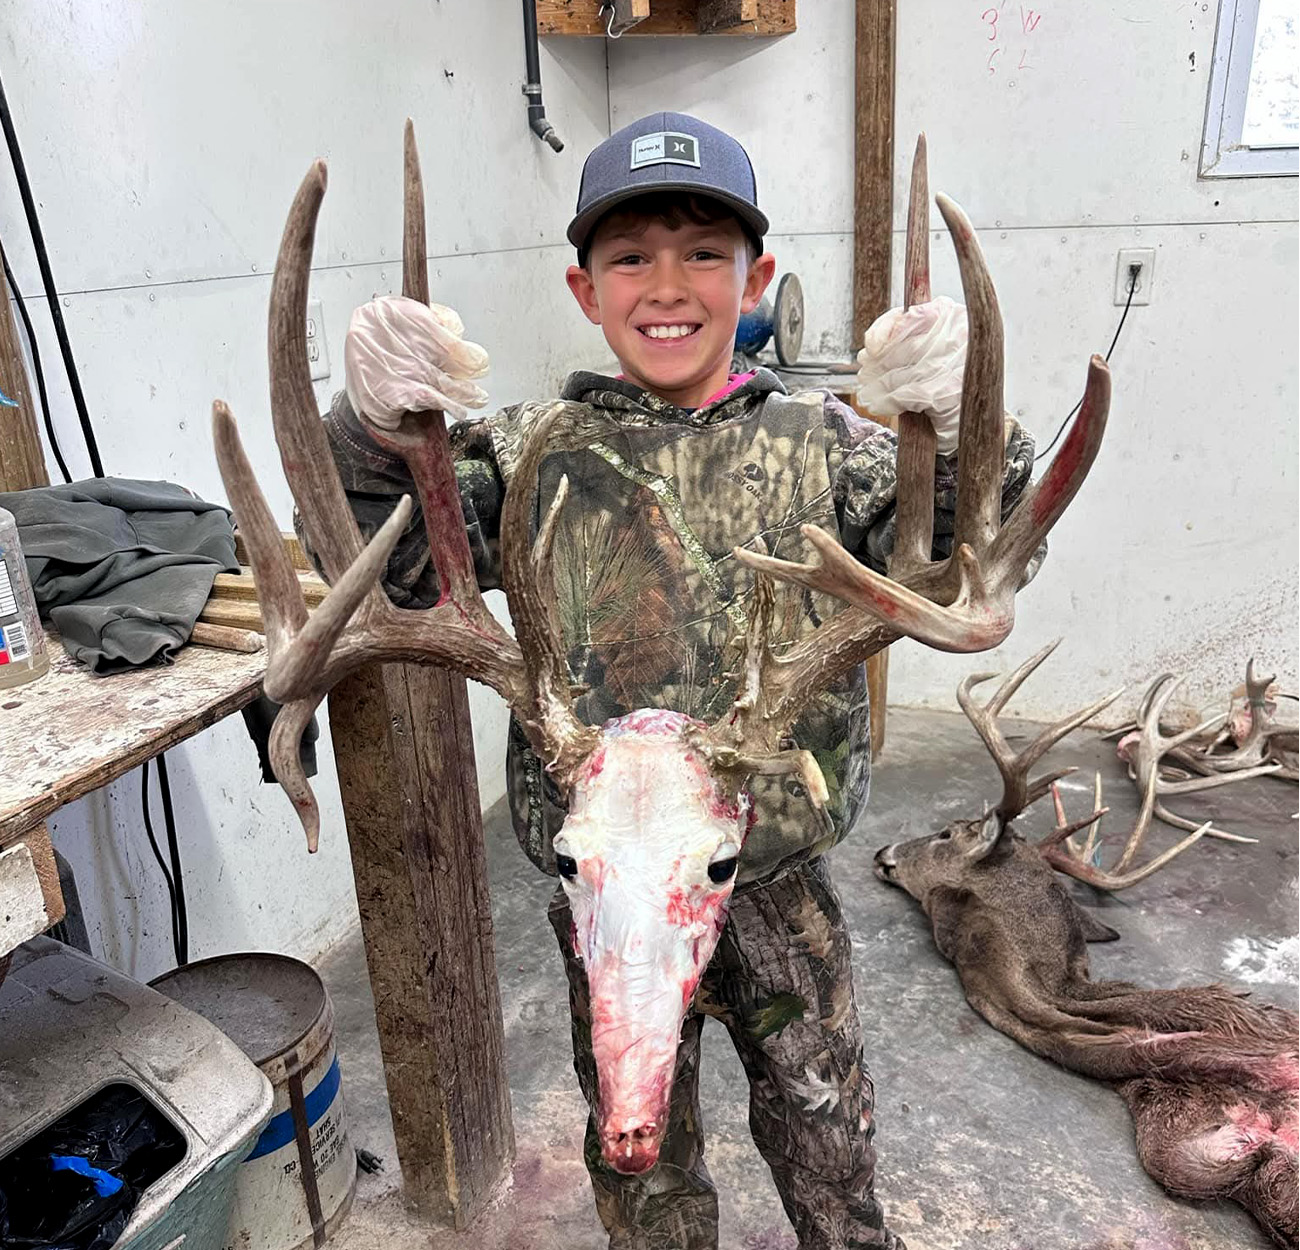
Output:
x=537 y=122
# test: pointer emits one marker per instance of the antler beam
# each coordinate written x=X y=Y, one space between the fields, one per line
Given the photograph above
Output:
x=356 y=623
x=964 y=603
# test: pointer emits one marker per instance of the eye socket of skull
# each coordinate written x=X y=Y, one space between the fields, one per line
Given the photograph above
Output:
x=565 y=863
x=722 y=863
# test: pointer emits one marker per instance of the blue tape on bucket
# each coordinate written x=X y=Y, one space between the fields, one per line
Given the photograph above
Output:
x=279 y=1132
x=106 y=1184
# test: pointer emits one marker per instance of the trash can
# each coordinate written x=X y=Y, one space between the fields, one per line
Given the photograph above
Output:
x=297 y=1185
x=108 y=1088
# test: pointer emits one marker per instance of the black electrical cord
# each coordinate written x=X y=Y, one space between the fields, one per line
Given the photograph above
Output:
x=173 y=848
x=158 y=855
x=36 y=364
x=1132 y=286
x=47 y=278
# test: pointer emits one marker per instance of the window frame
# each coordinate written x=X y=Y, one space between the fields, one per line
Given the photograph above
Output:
x=1222 y=152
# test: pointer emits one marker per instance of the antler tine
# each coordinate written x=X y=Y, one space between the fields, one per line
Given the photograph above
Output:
x=1152 y=746
x=284 y=749
x=305 y=454
x=914 y=519
x=1048 y=498
x=1079 y=865
x=979 y=485
x=1018 y=791
x=284 y=612
x=415 y=265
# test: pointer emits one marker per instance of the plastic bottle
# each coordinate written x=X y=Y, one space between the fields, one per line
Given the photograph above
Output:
x=23 y=655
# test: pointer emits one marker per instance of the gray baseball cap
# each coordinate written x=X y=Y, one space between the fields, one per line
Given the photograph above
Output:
x=666 y=152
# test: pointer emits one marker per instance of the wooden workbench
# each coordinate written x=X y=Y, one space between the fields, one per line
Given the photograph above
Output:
x=69 y=732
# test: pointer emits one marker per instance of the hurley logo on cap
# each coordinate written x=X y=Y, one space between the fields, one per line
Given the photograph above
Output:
x=665 y=148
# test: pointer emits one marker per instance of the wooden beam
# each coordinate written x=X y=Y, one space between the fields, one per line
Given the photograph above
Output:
x=406 y=774
x=873 y=162
x=667 y=17
x=22 y=462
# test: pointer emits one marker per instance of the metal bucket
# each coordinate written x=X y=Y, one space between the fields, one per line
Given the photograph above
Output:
x=296 y=1186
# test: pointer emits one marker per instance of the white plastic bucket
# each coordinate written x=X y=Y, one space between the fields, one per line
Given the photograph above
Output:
x=297 y=1185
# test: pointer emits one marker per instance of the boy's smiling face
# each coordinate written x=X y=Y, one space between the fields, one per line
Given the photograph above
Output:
x=668 y=298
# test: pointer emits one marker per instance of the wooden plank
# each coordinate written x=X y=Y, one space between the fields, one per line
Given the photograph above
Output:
x=297 y=556
x=22 y=462
x=406 y=774
x=720 y=15
x=71 y=732
x=233 y=614
x=628 y=13
x=667 y=17
x=241 y=586
x=873 y=161
x=226 y=638
x=31 y=899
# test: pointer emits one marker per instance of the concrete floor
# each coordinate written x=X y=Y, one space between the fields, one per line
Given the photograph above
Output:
x=983 y=1146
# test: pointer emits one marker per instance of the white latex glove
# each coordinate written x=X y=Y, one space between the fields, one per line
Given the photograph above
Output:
x=913 y=361
x=404 y=356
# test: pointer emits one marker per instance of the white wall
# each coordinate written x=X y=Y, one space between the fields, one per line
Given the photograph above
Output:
x=1181 y=550
x=164 y=143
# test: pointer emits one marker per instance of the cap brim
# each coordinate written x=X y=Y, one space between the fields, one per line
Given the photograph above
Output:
x=581 y=226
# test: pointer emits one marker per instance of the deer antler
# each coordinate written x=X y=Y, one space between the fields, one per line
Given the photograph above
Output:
x=964 y=603
x=1062 y=853
x=1145 y=750
x=1018 y=792
x=356 y=623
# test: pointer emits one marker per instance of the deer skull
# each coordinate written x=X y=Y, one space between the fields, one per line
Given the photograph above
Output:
x=647 y=856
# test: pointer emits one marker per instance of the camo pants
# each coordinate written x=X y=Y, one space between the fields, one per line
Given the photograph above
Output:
x=781 y=982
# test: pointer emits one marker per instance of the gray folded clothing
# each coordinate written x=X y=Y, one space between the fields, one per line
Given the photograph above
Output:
x=121 y=568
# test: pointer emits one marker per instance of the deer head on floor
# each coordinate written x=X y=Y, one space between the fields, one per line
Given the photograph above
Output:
x=1210 y=1077
x=657 y=806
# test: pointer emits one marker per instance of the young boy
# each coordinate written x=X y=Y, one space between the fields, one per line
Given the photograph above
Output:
x=671 y=464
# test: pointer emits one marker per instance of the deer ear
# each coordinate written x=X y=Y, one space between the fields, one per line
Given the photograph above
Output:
x=1093 y=929
x=991 y=831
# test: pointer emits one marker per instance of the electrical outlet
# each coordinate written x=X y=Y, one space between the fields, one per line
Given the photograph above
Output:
x=318 y=354
x=1145 y=257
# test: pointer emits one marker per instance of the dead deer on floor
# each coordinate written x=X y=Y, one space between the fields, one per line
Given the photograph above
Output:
x=657 y=804
x=1209 y=1076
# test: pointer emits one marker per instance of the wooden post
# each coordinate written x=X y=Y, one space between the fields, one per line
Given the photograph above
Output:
x=22 y=462
x=405 y=758
x=405 y=752
x=873 y=162
x=873 y=222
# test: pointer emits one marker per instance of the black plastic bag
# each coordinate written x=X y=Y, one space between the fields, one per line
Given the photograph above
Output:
x=76 y=1184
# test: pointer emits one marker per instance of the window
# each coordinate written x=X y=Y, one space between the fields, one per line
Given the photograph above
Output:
x=1252 y=120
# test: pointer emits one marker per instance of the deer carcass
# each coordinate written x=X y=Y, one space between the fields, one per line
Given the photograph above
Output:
x=657 y=805
x=1209 y=1076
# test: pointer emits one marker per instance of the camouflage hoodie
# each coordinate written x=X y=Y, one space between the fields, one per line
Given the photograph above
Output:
x=648 y=598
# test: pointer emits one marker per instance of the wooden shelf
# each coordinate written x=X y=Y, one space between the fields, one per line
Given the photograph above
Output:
x=669 y=17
